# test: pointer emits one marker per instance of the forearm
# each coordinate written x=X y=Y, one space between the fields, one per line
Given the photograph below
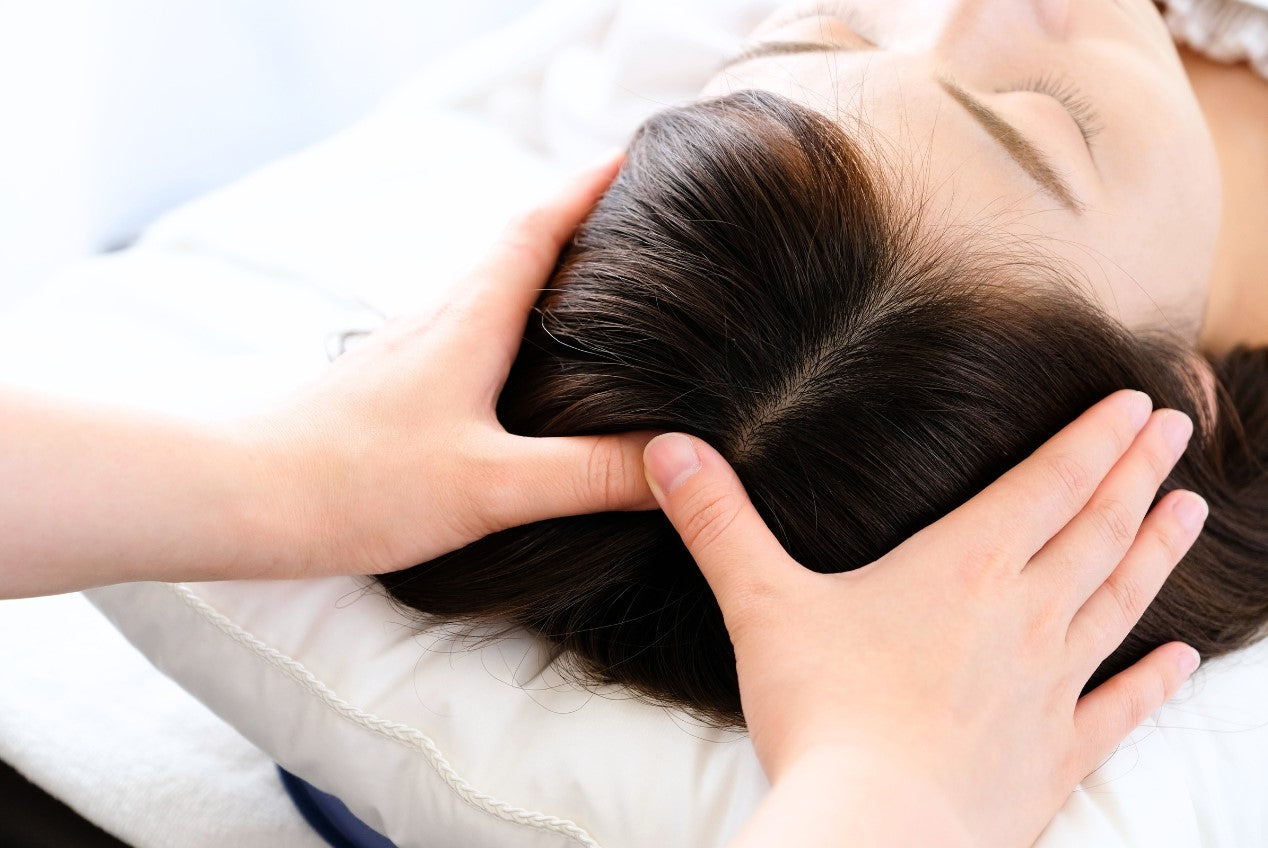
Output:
x=90 y=496
x=830 y=798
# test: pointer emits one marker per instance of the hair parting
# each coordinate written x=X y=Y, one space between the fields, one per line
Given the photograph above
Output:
x=750 y=279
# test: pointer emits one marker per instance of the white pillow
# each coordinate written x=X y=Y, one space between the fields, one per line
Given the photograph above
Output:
x=443 y=739
x=427 y=739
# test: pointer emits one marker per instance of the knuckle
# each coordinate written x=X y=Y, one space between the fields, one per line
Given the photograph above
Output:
x=1049 y=619
x=1115 y=522
x=1130 y=598
x=609 y=477
x=984 y=557
x=1142 y=698
x=1132 y=706
x=1069 y=479
x=457 y=310
x=708 y=513
x=528 y=239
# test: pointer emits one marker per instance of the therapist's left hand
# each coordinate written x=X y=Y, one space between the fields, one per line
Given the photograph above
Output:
x=396 y=453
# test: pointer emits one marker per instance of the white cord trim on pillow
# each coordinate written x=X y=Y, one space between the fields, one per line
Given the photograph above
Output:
x=402 y=733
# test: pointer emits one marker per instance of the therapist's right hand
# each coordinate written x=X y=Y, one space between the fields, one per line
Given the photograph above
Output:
x=933 y=697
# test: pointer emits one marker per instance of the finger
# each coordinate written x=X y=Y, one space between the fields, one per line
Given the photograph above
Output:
x=709 y=508
x=507 y=284
x=1105 y=716
x=492 y=302
x=1112 y=611
x=1082 y=555
x=1032 y=502
x=550 y=478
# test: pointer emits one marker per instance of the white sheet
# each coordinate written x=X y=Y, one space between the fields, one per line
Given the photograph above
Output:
x=85 y=715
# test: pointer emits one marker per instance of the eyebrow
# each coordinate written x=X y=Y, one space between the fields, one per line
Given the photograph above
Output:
x=1019 y=148
x=1022 y=150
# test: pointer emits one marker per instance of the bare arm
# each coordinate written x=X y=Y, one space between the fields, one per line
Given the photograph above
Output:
x=394 y=456
x=93 y=495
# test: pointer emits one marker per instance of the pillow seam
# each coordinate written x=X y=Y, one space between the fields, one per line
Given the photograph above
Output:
x=404 y=734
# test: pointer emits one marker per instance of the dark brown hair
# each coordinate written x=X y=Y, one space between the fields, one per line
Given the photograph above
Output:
x=749 y=280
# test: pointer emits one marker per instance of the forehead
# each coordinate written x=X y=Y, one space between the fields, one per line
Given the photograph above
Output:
x=899 y=112
x=1142 y=242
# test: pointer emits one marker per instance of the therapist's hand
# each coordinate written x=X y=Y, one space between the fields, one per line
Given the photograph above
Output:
x=396 y=455
x=393 y=456
x=933 y=696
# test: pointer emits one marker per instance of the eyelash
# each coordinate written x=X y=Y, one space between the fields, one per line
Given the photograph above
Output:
x=1069 y=96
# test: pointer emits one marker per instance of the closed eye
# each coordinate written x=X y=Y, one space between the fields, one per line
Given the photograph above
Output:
x=1071 y=98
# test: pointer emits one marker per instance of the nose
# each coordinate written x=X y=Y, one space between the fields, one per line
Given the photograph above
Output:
x=1053 y=16
x=975 y=31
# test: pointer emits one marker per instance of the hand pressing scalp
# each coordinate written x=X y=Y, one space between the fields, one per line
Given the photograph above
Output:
x=400 y=438
x=392 y=457
x=932 y=697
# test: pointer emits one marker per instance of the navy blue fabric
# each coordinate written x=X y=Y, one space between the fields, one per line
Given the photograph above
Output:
x=329 y=817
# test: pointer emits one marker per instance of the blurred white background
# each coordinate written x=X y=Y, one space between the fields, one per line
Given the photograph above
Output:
x=116 y=110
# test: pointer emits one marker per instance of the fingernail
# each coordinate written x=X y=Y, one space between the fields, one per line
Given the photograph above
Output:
x=1188 y=661
x=1177 y=429
x=1139 y=406
x=1191 y=511
x=671 y=460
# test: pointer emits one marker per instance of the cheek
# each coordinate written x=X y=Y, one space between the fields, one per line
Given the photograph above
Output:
x=1158 y=147
x=1137 y=276
x=1160 y=216
x=1177 y=221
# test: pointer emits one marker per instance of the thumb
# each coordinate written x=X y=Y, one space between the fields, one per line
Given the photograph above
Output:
x=570 y=475
x=709 y=508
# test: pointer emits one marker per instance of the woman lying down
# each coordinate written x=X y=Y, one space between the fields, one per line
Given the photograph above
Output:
x=893 y=248
x=877 y=264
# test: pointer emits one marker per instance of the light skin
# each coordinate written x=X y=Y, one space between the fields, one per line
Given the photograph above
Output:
x=837 y=696
x=1235 y=103
x=396 y=455
x=1129 y=195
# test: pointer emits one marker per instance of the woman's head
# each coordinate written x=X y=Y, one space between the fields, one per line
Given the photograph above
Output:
x=753 y=278
x=1067 y=123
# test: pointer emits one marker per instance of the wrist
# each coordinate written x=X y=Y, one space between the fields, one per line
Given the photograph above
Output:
x=281 y=505
x=859 y=797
